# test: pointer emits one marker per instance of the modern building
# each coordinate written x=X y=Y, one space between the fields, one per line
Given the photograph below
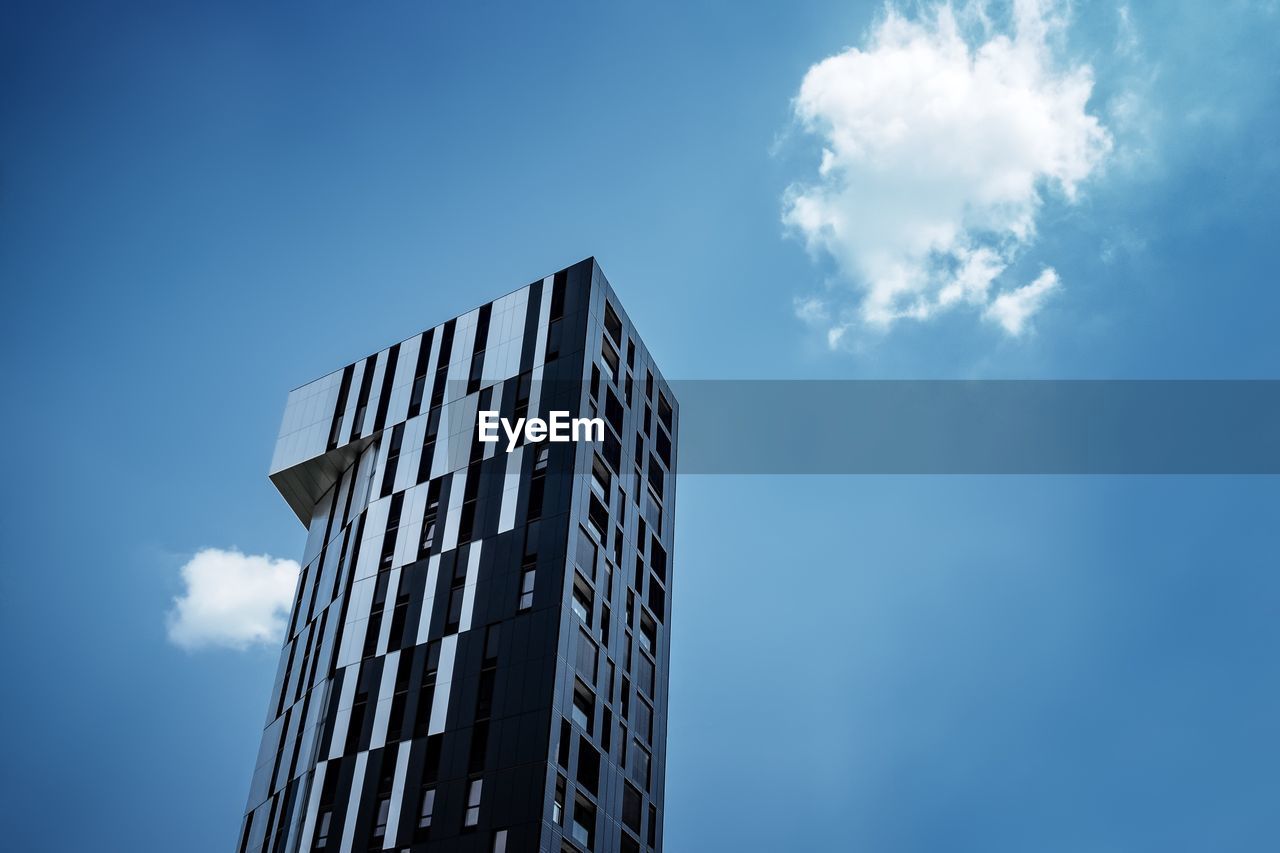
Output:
x=478 y=651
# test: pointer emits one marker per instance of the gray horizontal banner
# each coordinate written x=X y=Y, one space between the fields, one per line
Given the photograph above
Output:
x=978 y=427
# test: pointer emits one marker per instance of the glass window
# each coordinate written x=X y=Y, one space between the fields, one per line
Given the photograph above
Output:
x=526 y=588
x=644 y=719
x=631 y=807
x=524 y=387
x=415 y=395
x=584 y=822
x=344 y=388
x=644 y=673
x=610 y=361
x=554 y=333
x=562 y=753
x=484 y=695
x=393 y=458
x=583 y=599
x=657 y=597
x=388 y=379
x=428 y=535
x=658 y=558
x=557 y=805
x=586 y=554
x=492 y=635
x=664 y=410
x=537 y=494
x=456 y=595
x=473 y=803
x=584 y=706
x=663 y=444
x=639 y=764
x=600 y=478
x=362 y=399
x=420 y=372
x=587 y=655
x=322 y=834
x=648 y=633
x=588 y=766
x=426 y=807
x=612 y=324
x=597 y=519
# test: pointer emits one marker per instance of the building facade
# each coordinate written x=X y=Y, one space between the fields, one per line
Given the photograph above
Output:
x=478 y=650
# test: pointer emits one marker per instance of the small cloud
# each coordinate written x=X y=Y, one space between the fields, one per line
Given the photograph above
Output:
x=1123 y=242
x=941 y=135
x=812 y=310
x=232 y=600
x=1012 y=309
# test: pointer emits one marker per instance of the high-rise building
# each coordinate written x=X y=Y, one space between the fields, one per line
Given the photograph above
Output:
x=478 y=650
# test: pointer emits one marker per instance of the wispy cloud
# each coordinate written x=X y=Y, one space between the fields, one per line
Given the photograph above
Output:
x=1013 y=308
x=940 y=135
x=232 y=600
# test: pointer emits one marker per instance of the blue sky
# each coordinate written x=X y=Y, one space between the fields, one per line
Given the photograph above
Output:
x=204 y=205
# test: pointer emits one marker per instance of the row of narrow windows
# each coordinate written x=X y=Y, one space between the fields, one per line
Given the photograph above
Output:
x=591 y=722
x=444 y=357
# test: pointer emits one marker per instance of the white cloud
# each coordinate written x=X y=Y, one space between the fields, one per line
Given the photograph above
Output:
x=940 y=135
x=1013 y=308
x=232 y=600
